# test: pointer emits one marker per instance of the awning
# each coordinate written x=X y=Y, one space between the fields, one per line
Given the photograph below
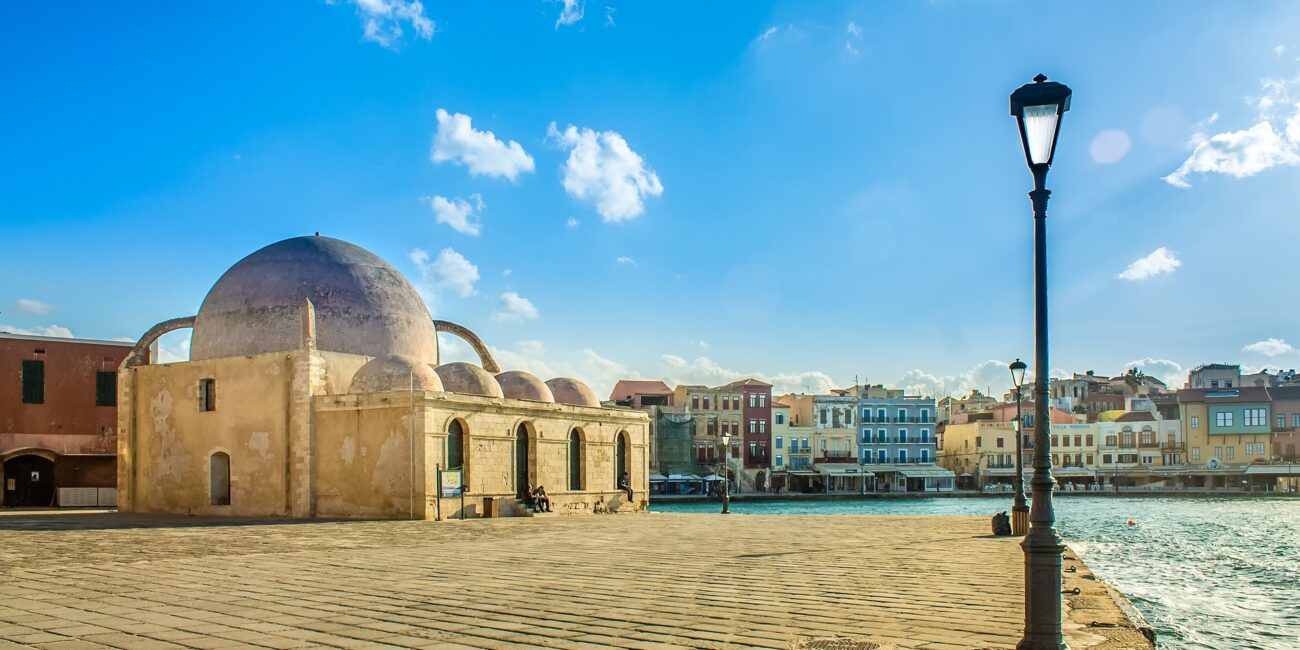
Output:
x=841 y=469
x=1273 y=470
x=926 y=472
x=802 y=472
x=658 y=478
x=1073 y=472
x=711 y=477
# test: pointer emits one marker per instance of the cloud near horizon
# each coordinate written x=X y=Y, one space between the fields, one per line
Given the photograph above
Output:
x=1270 y=347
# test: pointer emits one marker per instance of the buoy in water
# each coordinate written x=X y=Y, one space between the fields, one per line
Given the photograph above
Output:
x=1132 y=523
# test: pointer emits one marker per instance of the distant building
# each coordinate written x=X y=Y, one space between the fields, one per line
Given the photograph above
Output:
x=1225 y=429
x=1214 y=375
x=976 y=402
x=58 y=420
x=1286 y=423
x=741 y=409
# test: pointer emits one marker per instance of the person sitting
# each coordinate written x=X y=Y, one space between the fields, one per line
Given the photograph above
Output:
x=530 y=498
x=1001 y=524
x=541 y=502
x=625 y=484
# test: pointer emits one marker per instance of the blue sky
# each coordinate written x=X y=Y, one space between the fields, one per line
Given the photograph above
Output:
x=806 y=192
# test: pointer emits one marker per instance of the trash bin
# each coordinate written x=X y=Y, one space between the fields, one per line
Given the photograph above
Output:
x=489 y=506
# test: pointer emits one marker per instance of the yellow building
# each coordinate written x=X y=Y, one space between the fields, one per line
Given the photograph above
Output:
x=1226 y=430
x=314 y=389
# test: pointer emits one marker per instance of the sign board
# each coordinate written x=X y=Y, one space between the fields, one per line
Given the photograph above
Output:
x=449 y=482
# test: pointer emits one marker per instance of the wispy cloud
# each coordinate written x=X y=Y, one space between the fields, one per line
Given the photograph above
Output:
x=514 y=307
x=623 y=259
x=1273 y=141
x=703 y=370
x=572 y=223
x=382 y=20
x=854 y=34
x=1270 y=347
x=1157 y=262
x=31 y=306
x=603 y=169
x=572 y=12
x=40 y=330
x=479 y=151
x=449 y=271
x=458 y=213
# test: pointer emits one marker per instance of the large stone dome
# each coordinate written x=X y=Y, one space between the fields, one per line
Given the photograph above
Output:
x=394 y=372
x=363 y=305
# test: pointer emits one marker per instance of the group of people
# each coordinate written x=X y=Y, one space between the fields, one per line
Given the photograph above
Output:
x=537 y=499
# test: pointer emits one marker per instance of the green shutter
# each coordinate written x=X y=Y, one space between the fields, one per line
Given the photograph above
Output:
x=33 y=381
x=106 y=388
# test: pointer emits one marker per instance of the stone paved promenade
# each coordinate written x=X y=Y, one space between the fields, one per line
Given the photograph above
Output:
x=636 y=581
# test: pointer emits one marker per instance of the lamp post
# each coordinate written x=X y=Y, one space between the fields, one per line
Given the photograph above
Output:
x=726 y=472
x=1019 y=510
x=1038 y=108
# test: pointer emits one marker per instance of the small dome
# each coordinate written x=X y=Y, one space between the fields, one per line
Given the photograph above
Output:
x=517 y=384
x=467 y=378
x=572 y=391
x=394 y=372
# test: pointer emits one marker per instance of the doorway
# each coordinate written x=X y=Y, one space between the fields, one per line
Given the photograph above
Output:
x=521 y=462
x=29 y=481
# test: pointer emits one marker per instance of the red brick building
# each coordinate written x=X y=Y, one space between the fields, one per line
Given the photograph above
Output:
x=58 y=417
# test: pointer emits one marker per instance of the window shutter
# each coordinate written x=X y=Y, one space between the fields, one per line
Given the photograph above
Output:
x=33 y=381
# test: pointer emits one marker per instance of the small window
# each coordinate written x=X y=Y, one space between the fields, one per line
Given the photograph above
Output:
x=780 y=418
x=105 y=388
x=207 y=394
x=33 y=381
x=219 y=467
x=455 y=445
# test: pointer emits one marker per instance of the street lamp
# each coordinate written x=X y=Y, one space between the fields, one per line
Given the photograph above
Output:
x=726 y=471
x=1019 y=510
x=1038 y=108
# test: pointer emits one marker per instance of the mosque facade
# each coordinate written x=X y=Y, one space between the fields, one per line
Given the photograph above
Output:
x=315 y=389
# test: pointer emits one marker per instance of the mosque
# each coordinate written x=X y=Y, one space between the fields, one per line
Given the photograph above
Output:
x=315 y=388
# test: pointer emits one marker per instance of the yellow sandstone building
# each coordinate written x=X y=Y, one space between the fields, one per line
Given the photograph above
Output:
x=315 y=389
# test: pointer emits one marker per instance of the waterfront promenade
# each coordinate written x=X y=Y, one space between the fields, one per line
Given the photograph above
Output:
x=637 y=581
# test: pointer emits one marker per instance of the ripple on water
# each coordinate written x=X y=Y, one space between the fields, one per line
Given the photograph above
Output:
x=1207 y=573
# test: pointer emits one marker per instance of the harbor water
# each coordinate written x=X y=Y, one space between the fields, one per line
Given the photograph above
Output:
x=1207 y=573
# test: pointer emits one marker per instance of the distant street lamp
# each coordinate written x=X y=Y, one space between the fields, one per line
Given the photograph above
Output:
x=1019 y=510
x=726 y=471
x=1038 y=108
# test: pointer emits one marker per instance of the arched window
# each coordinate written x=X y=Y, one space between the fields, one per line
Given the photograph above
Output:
x=620 y=456
x=219 y=469
x=522 y=482
x=455 y=445
x=575 y=461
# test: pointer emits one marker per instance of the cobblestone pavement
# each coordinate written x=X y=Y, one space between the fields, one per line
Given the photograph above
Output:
x=634 y=581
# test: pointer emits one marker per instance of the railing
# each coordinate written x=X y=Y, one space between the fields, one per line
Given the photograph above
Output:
x=896 y=420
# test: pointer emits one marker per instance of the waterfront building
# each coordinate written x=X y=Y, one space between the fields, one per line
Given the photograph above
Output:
x=797 y=439
x=741 y=409
x=982 y=454
x=1138 y=449
x=315 y=388
x=976 y=402
x=834 y=451
x=1214 y=375
x=1225 y=429
x=646 y=396
x=898 y=442
x=58 y=420
x=1286 y=423
x=781 y=443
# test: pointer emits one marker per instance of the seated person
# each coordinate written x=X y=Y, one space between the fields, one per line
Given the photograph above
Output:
x=542 y=503
x=530 y=498
x=1001 y=524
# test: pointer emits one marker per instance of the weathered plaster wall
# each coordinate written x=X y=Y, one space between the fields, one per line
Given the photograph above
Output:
x=165 y=456
x=365 y=448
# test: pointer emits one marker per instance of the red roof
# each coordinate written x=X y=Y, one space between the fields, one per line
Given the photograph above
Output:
x=626 y=388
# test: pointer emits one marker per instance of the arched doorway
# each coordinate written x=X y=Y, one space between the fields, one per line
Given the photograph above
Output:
x=620 y=456
x=29 y=481
x=575 y=461
x=521 y=461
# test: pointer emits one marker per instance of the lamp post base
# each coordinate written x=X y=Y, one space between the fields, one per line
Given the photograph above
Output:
x=1019 y=521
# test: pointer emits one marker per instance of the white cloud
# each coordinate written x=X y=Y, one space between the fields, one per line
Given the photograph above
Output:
x=40 y=330
x=1270 y=347
x=479 y=151
x=1170 y=372
x=767 y=33
x=458 y=213
x=990 y=377
x=1160 y=260
x=506 y=273
x=572 y=12
x=604 y=170
x=514 y=307
x=382 y=20
x=572 y=223
x=450 y=271
x=849 y=47
x=1272 y=142
x=609 y=16
x=1279 y=50
x=704 y=370
x=30 y=306
x=174 y=347
x=1109 y=146
x=623 y=259
x=854 y=34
